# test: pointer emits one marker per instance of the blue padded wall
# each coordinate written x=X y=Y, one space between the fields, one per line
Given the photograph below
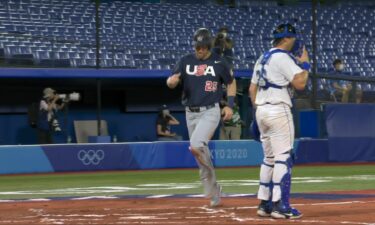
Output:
x=351 y=132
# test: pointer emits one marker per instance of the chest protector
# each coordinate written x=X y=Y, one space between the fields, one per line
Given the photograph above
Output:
x=262 y=80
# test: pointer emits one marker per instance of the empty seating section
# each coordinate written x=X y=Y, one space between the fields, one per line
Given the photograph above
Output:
x=154 y=36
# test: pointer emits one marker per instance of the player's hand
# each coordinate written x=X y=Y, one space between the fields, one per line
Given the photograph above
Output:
x=304 y=57
x=173 y=80
x=227 y=113
x=176 y=76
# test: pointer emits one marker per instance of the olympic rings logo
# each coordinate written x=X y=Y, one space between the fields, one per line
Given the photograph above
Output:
x=90 y=156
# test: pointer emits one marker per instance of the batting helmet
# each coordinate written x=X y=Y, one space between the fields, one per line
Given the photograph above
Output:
x=202 y=38
x=284 y=30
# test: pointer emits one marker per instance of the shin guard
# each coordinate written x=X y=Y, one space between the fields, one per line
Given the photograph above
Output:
x=285 y=182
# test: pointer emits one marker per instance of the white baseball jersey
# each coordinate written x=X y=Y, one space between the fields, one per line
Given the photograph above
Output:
x=280 y=70
x=275 y=119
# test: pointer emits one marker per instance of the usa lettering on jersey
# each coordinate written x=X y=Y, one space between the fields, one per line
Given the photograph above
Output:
x=201 y=70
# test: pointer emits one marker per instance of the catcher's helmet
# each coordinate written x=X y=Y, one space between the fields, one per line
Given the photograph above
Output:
x=202 y=38
x=284 y=30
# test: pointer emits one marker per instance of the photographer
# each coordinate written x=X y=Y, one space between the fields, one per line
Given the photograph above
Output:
x=223 y=45
x=47 y=122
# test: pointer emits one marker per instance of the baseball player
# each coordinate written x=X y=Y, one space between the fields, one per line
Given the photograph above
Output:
x=275 y=73
x=202 y=75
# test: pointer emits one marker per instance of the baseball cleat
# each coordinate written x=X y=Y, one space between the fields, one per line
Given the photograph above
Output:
x=264 y=208
x=216 y=199
x=282 y=212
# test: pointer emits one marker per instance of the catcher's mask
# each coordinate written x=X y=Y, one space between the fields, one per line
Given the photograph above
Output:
x=284 y=30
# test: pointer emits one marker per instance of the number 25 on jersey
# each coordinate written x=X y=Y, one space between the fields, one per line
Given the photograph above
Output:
x=211 y=86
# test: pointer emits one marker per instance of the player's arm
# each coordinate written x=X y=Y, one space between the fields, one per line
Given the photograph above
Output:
x=253 y=90
x=300 y=79
x=173 y=80
x=231 y=94
x=232 y=87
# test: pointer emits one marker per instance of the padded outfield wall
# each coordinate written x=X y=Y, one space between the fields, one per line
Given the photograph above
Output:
x=151 y=155
x=122 y=156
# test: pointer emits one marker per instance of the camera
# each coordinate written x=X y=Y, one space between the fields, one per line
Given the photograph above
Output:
x=74 y=96
x=220 y=36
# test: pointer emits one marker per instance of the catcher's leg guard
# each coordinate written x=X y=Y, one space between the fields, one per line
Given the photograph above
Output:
x=265 y=184
x=282 y=178
x=265 y=187
x=281 y=193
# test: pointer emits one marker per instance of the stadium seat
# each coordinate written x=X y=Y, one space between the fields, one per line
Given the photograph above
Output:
x=161 y=33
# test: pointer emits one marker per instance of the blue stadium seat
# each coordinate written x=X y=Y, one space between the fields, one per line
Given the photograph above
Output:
x=146 y=28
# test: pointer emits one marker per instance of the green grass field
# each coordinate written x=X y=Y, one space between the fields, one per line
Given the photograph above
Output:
x=185 y=181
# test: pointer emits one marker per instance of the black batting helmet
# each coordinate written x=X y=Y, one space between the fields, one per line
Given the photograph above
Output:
x=202 y=38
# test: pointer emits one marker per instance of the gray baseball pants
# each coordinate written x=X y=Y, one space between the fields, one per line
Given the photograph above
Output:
x=201 y=126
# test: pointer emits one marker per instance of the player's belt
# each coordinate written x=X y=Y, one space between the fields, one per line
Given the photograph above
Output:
x=200 y=108
x=269 y=103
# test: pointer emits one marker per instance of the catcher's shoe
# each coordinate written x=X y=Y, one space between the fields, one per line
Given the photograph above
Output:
x=279 y=211
x=216 y=199
x=264 y=208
